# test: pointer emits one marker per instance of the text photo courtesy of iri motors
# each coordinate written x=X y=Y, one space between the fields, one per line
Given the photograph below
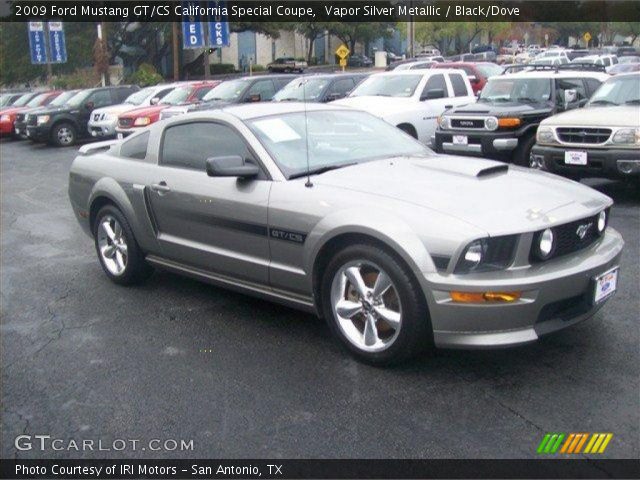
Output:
x=316 y=239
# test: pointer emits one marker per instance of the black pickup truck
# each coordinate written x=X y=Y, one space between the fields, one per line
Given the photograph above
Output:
x=63 y=125
x=502 y=124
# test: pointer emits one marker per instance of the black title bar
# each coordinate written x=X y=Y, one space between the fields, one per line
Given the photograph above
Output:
x=326 y=10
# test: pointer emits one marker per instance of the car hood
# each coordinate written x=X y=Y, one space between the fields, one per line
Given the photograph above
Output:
x=502 y=109
x=115 y=109
x=196 y=107
x=597 y=116
x=12 y=111
x=498 y=198
x=145 y=111
x=54 y=110
x=376 y=105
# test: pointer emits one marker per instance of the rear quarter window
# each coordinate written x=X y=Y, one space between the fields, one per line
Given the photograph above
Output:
x=459 y=87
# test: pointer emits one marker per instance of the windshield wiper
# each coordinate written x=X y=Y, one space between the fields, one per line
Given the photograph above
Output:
x=602 y=102
x=319 y=170
x=526 y=99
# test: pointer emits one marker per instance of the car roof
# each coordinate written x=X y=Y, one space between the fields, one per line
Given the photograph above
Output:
x=555 y=74
x=417 y=71
x=332 y=75
x=262 y=109
x=260 y=77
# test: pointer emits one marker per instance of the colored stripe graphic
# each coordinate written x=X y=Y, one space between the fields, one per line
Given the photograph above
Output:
x=573 y=443
x=598 y=442
x=550 y=443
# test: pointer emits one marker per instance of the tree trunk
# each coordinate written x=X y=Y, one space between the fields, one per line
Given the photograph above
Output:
x=310 y=52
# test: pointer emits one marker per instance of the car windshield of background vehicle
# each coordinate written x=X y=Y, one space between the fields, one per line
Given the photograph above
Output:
x=230 y=90
x=618 y=91
x=489 y=69
x=37 y=100
x=532 y=90
x=79 y=98
x=302 y=89
x=140 y=96
x=334 y=139
x=62 y=98
x=22 y=101
x=177 y=96
x=388 y=86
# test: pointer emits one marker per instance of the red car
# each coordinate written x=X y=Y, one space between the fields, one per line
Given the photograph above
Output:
x=188 y=93
x=8 y=115
x=477 y=73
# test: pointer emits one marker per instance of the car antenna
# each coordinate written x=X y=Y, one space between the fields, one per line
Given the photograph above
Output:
x=308 y=184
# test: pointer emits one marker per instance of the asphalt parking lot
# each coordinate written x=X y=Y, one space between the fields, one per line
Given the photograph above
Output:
x=83 y=358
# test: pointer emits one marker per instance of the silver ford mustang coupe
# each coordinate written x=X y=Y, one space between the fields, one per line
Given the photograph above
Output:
x=333 y=211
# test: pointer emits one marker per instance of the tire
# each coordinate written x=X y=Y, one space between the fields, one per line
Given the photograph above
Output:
x=363 y=328
x=64 y=134
x=117 y=249
x=523 y=151
x=408 y=129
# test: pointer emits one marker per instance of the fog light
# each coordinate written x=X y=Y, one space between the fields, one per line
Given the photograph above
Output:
x=485 y=297
x=628 y=166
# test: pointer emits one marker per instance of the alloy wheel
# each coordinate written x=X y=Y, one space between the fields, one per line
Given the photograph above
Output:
x=112 y=245
x=65 y=135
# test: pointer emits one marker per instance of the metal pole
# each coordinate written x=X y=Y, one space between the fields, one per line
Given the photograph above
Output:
x=99 y=26
x=176 y=52
x=206 y=50
x=47 y=48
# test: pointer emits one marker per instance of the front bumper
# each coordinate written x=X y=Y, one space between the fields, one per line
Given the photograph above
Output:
x=125 y=132
x=103 y=128
x=607 y=163
x=497 y=145
x=20 y=128
x=555 y=295
x=6 y=128
x=38 y=133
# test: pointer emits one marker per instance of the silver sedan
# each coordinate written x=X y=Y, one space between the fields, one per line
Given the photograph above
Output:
x=333 y=211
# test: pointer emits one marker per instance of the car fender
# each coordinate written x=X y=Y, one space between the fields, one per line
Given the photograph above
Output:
x=382 y=226
x=65 y=117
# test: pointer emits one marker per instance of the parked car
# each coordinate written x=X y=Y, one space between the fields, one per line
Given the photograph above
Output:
x=103 y=121
x=502 y=125
x=8 y=98
x=260 y=88
x=606 y=60
x=397 y=248
x=188 y=93
x=22 y=118
x=561 y=60
x=575 y=53
x=412 y=100
x=555 y=53
x=624 y=68
x=629 y=59
x=64 y=125
x=287 y=65
x=477 y=73
x=626 y=51
x=8 y=114
x=319 y=88
x=357 y=60
x=417 y=65
x=600 y=140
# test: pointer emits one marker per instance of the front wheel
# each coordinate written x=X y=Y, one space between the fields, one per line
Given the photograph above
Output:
x=374 y=306
x=523 y=151
x=64 y=135
x=119 y=254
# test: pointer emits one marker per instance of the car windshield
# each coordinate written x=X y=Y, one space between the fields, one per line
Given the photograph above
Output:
x=177 y=96
x=37 y=100
x=388 y=86
x=22 y=101
x=140 y=96
x=230 y=90
x=4 y=99
x=302 y=89
x=516 y=90
x=489 y=69
x=618 y=91
x=62 y=98
x=79 y=98
x=333 y=138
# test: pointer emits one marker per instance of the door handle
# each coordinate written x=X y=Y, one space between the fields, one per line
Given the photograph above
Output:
x=161 y=187
x=448 y=107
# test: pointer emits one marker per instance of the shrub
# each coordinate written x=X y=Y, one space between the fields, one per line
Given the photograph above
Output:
x=81 y=78
x=145 y=75
x=258 y=68
x=219 y=68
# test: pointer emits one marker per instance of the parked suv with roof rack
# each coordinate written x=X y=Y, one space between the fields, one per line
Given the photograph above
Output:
x=502 y=124
x=601 y=140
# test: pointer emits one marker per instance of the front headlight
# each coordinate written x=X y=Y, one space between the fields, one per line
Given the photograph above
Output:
x=627 y=136
x=602 y=221
x=443 y=122
x=491 y=123
x=5 y=118
x=42 y=119
x=487 y=254
x=142 y=121
x=545 y=135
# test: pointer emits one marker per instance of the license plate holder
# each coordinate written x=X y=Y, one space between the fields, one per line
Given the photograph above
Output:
x=120 y=136
x=575 y=157
x=460 y=140
x=605 y=285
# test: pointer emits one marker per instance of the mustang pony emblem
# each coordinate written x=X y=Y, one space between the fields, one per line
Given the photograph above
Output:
x=582 y=230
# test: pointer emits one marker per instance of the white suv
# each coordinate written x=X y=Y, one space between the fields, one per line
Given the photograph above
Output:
x=412 y=100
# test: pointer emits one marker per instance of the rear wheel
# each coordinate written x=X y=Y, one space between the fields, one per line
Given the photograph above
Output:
x=374 y=306
x=64 y=135
x=119 y=254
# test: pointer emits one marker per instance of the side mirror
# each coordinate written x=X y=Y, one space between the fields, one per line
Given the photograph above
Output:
x=570 y=96
x=432 y=94
x=231 y=166
x=254 y=98
x=472 y=78
x=89 y=105
x=155 y=100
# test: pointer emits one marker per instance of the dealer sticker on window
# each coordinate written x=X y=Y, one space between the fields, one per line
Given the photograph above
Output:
x=460 y=140
x=606 y=284
x=573 y=157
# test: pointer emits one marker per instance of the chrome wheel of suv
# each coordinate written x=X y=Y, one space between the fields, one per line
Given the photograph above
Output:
x=367 y=305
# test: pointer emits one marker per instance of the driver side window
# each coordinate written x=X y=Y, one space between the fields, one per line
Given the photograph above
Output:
x=436 y=82
x=101 y=98
x=189 y=145
x=570 y=84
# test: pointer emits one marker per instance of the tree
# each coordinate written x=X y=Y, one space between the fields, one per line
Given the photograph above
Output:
x=352 y=33
x=312 y=31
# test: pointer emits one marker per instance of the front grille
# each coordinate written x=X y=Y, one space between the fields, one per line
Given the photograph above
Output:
x=587 y=136
x=125 y=122
x=32 y=120
x=463 y=123
x=568 y=238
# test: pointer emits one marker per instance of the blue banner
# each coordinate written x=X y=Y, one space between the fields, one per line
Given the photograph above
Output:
x=37 y=46
x=57 y=44
x=192 y=33
x=218 y=26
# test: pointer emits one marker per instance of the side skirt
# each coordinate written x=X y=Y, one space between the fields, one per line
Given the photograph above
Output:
x=299 y=302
